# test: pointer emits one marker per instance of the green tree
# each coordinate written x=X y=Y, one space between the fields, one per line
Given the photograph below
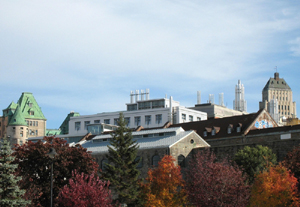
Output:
x=10 y=193
x=254 y=160
x=121 y=170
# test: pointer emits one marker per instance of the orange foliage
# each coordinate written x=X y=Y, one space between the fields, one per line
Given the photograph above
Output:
x=164 y=186
x=275 y=187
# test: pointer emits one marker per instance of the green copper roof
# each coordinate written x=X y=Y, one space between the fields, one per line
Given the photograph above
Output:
x=29 y=107
x=276 y=83
x=10 y=109
x=18 y=118
x=65 y=125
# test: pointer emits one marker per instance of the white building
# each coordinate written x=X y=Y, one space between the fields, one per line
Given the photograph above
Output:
x=142 y=111
x=240 y=103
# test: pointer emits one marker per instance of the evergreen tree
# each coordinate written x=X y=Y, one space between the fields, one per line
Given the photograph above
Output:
x=121 y=170
x=10 y=193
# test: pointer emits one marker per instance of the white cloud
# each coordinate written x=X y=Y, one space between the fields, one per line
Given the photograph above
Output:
x=295 y=46
x=75 y=50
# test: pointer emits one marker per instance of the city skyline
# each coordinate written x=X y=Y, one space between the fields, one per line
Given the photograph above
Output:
x=87 y=56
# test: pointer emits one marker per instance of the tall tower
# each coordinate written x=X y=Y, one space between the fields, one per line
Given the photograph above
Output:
x=277 y=88
x=240 y=104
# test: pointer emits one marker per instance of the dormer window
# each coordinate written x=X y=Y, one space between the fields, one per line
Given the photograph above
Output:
x=205 y=133
x=213 y=132
x=239 y=127
x=229 y=129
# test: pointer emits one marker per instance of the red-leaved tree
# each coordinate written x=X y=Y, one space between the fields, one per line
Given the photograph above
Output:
x=212 y=183
x=164 y=185
x=275 y=187
x=292 y=162
x=35 y=167
x=84 y=191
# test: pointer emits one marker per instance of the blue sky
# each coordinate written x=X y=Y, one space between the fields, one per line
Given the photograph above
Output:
x=86 y=56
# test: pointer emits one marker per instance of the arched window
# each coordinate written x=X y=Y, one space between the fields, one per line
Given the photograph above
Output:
x=140 y=160
x=181 y=161
x=155 y=160
x=103 y=164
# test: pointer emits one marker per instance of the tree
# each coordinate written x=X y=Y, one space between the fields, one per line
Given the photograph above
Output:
x=164 y=185
x=35 y=167
x=85 y=190
x=292 y=162
x=274 y=187
x=212 y=183
x=10 y=193
x=253 y=160
x=121 y=170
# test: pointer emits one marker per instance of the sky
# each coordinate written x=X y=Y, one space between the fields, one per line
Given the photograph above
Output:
x=86 y=56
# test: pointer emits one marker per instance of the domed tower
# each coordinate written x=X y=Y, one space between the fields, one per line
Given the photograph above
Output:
x=17 y=128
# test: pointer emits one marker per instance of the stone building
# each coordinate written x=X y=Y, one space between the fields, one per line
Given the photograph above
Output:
x=22 y=120
x=153 y=145
x=277 y=88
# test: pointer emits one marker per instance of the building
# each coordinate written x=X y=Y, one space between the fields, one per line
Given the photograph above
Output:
x=278 y=89
x=153 y=145
x=142 y=111
x=22 y=120
x=240 y=103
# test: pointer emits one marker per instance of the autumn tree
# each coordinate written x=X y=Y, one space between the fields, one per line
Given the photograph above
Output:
x=85 y=190
x=274 y=187
x=253 y=160
x=35 y=167
x=10 y=193
x=292 y=162
x=121 y=170
x=212 y=183
x=164 y=185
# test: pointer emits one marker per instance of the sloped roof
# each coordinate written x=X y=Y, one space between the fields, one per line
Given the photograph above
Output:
x=18 y=118
x=143 y=143
x=28 y=103
x=222 y=124
x=276 y=83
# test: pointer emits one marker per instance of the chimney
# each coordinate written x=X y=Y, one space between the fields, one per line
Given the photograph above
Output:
x=136 y=95
x=142 y=95
x=198 y=97
x=147 y=94
x=131 y=96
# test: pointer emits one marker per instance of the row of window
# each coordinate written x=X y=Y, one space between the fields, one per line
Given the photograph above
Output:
x=155 y=159
x=30 y=132
x=137 y=121
x=32 y=123
x=191 y=118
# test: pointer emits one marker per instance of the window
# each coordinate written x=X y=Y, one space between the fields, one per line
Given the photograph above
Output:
x=155 y=160
x=36 y=132
x=21 y=133
x=127 y=120
x=183 y=117
x=213 y=132
x=140 y=160
x=103 y=164
x=85 y=124
x=31 y=113
x=198 y=118
x=205 y=133
x=36 y=123
x=190 y=118
x=229 y=130
x=238 y=129
x=148 y=120
x=106 y=121
x=284 y=107
x=33 y=123
x=116 y=121
x=77 y=126
x=21 y=142
x=278 y=107
x=30 y=104
x=137 y=121
x=288 y=107
x=96 y=121
x=181 y=161
x=158 y=118
x=30 y=123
